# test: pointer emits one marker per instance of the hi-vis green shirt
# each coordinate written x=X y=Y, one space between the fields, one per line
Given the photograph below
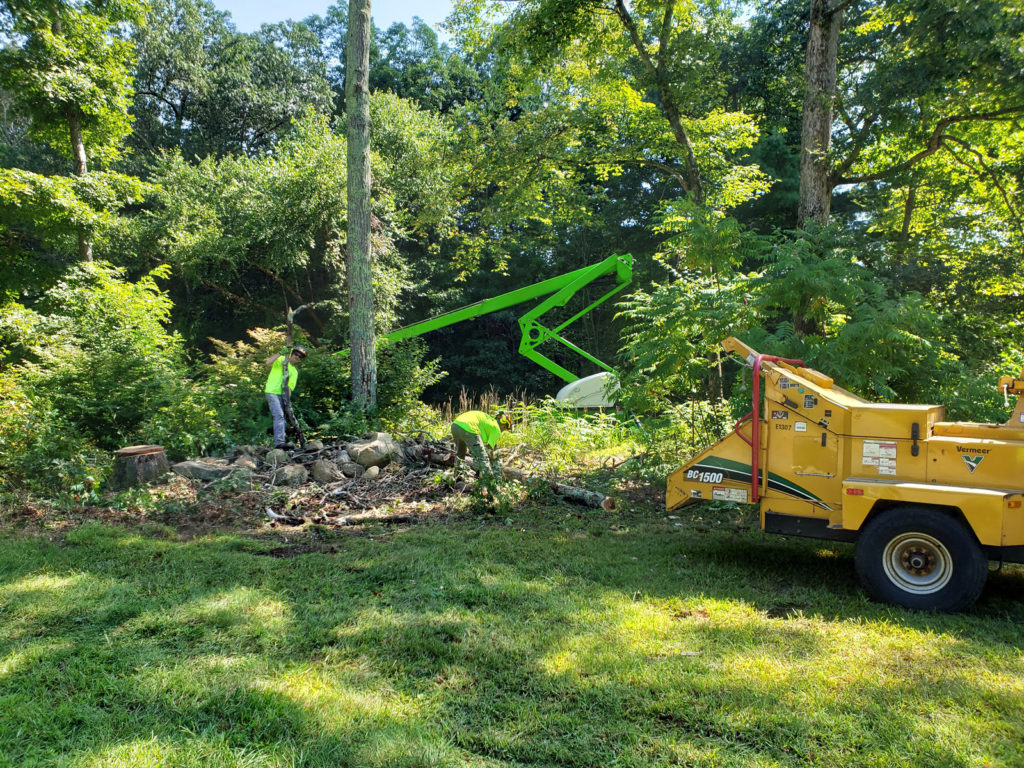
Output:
x=276 y=376
x=479 y=423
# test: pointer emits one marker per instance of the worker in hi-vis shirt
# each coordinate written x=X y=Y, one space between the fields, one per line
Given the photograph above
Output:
x=274 y=393
x=478 y=433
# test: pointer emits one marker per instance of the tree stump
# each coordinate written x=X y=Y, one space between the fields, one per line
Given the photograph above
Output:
x=138 y=464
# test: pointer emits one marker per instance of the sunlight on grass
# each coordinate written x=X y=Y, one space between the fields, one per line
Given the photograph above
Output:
x=242 y=618
x=570 y=640
x=346 y=698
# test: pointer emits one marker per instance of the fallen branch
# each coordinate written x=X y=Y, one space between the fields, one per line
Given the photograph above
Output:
x=375 y=518
x=569 y=492
x=286 y=519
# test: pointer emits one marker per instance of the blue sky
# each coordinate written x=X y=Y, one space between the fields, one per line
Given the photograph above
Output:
x=249 y=14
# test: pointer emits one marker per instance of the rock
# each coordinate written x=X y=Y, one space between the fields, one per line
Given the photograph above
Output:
x=351 y=469
x=342 y=458
x=277 y=457
x=325 y=472
x=214 y=461
x=315 y=445
x=290 y=474
x=245 y=462
x=371 y=472
x=374 y=450
x=201 y=470
x=246 y=450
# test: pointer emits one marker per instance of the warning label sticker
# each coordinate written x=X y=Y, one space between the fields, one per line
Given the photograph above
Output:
x=737 y=495
x=881 y=455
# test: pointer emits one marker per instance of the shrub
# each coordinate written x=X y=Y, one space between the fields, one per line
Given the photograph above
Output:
x=96 y=351
x=225 y=403
x=40 y=451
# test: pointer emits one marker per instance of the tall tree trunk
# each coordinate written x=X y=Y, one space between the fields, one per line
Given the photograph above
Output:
x=360 y=257
x=819 y=97
x=81 y=169
x=77 y=153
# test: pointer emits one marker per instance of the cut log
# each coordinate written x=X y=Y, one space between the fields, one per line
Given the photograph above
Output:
x=570 y=492
x=138 y=464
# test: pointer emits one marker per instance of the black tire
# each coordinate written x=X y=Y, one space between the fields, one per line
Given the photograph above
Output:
x=920 y=558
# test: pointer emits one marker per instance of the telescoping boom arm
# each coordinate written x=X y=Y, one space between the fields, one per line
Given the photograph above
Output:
x=559 y=290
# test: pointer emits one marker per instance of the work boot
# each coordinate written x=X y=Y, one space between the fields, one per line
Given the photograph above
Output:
x=285 y=447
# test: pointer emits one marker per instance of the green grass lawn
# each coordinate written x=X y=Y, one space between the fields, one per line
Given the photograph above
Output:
x=553 y=637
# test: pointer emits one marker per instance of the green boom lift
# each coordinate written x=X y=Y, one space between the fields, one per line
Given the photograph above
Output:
x=591 y=391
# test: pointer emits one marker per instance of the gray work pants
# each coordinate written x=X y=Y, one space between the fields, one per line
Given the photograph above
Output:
x=277 y=411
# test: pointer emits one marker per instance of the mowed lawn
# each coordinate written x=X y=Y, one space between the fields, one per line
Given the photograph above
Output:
x=552 y=637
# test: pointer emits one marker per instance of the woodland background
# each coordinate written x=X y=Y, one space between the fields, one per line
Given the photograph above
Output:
x=839 y=182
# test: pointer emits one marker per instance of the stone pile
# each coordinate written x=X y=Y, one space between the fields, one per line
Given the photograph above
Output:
x=323 y=464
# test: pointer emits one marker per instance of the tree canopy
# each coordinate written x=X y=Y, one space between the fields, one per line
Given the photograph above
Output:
x=835 y=181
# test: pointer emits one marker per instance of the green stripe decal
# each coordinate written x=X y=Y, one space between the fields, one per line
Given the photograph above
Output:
x=744 y=470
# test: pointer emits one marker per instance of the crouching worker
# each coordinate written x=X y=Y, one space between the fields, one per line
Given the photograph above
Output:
x=478 y=433
x=274 y=390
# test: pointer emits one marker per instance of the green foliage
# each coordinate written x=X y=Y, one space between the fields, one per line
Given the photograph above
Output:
x=813 y=300
x=224 y=403
x=678 y=431
x=568 y=439
x=249 y=229
x=42 y=216
x=40 y=449
x=97 y=351
x=207 y=90
x=67 y=59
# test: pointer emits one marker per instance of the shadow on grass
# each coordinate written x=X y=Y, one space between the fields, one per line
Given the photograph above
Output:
x=469 y=646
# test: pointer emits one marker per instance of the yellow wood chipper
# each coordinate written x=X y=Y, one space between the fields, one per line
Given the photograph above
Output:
x=928 y=502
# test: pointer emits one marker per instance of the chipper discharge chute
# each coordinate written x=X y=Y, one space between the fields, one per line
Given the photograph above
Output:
x=927 y=502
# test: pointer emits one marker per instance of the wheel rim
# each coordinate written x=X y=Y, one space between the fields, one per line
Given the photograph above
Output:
x=918 y=563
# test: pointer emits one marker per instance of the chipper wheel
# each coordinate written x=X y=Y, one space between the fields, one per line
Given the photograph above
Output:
x=920 y=558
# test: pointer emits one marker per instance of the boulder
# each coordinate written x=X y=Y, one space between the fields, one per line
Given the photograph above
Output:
x=351 y=469
x=289 y=474
x=315 y=445
x=374 y=450
x=245 y=462
x=277 y=457
x=201 y=470
x=325 y=472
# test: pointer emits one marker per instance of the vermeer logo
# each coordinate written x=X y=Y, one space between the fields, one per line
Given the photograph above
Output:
x=972 y=462
x=972 y=456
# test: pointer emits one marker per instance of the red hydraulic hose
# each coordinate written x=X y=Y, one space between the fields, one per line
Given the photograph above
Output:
x=755 y=413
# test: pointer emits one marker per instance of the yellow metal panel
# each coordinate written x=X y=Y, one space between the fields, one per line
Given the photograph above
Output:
x=796 y=507
x=962 y=429
x=719 y=472
x=982 y=507
x=976 y=463
x=1013 y=521
x=888 y=459
x=803 y=453
x=894 y=420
